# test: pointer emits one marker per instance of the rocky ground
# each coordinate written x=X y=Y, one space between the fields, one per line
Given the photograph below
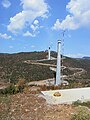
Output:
x=27 y=106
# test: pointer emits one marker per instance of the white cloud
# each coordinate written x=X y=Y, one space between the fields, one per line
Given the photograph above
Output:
x=36 y=22
x=31 y=10
x=17 y=22
x=79 y=16
x=79 y=55
x=57 y=25
x=6 y=3
x=35 y=25
x=28 y=34
x=34 y=28
x=5 y=36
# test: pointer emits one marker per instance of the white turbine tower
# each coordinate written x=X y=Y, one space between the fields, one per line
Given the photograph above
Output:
x=58 y=69
x=49 y=56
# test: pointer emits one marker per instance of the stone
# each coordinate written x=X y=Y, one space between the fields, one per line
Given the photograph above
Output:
x=57 y=94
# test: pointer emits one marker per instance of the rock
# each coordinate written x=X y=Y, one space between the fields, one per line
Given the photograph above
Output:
x=35 y=89
x=57 y=94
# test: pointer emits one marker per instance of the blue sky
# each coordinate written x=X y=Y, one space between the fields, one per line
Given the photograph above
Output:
x=34 y=25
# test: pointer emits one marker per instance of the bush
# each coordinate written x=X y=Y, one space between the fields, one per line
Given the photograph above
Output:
x=9 y=90
x=77 y=103
x=20 y=85
x=82 y=113
x=26 y=89
x=13 y=89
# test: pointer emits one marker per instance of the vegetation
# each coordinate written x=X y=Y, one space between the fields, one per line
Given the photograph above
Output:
x=5 y=102
x=9 y=90
x=79 y=63
x=14 y=70
x=13 y=67
x=79 y=103
x=13 y=89
x=82 y=113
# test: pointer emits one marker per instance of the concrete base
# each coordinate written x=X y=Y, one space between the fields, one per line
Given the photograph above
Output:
x=68 y=96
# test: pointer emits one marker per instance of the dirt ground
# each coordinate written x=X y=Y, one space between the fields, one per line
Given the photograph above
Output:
x=25 y=106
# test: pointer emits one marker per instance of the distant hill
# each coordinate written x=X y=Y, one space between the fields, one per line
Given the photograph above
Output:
x=13 y=67
x=86 y=58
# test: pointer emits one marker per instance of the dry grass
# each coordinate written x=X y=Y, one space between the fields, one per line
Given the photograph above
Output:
x=27 y=106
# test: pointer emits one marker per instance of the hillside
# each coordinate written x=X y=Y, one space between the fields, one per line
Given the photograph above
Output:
x=25 y=101
x=13 y=67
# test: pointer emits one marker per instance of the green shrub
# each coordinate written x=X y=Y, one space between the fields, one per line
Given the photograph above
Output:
x=9 y=90
x=82 y=113
x=77 y=103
